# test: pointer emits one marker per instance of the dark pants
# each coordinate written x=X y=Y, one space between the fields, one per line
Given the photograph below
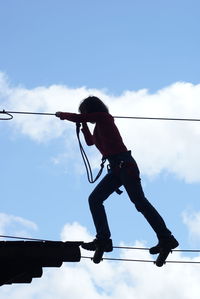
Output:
x=123 y=171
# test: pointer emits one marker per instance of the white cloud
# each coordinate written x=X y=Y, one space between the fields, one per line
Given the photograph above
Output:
x=112 y=280
x=192 y=221
x=75 y=232
x=157 y=146
x=15 y=225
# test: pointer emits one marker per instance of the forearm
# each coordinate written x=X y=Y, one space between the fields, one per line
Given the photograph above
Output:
x=87 y=135
x=81 y=118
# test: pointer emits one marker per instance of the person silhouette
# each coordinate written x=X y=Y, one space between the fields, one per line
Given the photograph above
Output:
x=123 y=171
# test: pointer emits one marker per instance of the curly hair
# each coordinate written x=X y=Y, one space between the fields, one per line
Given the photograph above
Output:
x=92 y=104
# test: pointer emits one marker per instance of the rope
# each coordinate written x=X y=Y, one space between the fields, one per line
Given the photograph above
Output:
x=26 y=112
x=141 y=260
x=10 y=116
x=158 y=118
x=86 y=160
x=143 y=248
x=25 y=238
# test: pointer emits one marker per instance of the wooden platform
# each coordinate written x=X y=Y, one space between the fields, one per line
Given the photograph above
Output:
x=21 y=261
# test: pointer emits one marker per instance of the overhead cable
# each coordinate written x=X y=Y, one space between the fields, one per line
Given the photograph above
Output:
x=8 y=115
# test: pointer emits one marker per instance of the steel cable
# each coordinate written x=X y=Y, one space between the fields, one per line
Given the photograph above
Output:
x=9 y=113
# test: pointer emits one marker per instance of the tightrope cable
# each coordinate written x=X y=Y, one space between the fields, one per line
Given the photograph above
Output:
x=144 y=248
x=158 y=118
x=141 y=260
x=8 y=116
x=25 y=238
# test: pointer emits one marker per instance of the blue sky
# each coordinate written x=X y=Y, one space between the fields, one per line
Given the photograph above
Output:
x=148 y=44
x=141 y=58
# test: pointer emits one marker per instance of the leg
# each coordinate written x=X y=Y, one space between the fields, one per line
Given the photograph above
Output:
x=102 y=191
x=130 y=178
x=102 y=243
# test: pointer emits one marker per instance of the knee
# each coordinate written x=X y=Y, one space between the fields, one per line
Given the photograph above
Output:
x=141 y=205
x=90 y=199
x=93 y=200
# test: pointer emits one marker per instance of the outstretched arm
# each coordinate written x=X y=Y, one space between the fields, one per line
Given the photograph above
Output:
x=79 y=118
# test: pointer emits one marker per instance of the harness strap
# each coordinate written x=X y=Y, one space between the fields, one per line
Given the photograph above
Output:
x=118 y=191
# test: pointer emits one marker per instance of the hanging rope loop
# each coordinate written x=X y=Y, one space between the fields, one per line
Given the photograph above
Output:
x=6 y=115
x=86 y=161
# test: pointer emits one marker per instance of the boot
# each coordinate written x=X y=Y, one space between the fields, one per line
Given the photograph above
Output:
x=169 y=243
x=105 y=245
